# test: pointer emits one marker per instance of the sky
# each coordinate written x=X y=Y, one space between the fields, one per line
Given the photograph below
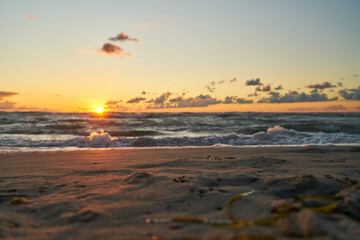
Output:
x=174 y=56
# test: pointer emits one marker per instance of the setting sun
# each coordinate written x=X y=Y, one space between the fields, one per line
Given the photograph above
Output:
x=99 y=110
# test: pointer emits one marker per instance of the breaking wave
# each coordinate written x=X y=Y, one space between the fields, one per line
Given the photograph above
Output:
x=276 y=135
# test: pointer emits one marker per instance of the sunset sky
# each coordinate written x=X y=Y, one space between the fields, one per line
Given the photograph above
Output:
x=167 y=55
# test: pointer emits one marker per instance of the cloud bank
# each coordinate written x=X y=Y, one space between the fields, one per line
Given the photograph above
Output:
x=136 y=100
x=275 y=97
x=321 y=86
x=7 y=94
x=350 y=94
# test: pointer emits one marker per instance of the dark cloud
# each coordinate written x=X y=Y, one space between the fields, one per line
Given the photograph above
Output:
x=321 y=86
x=266 y=88
x=136 y=100
x=109 y=48
x=289 y=98
x=236 y=100
x=7 y=105
x=279 y=87
x=115 y=105
x=253 y=82
x=339 y=84
x=350 y=94
x=123 y=37
x=181 y=102
x=253 y=94
x=355 y=75
x=314 y=91
x=230 y=100
x=6 y=94
x=210 y=89
x=293 y=93
x=159 y=101
x=335 y=108
x=162 y=98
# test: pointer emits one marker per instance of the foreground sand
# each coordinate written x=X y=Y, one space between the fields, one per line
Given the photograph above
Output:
x=109 y=194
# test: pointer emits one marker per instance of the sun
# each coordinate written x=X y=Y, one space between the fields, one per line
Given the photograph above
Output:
x=100 y=110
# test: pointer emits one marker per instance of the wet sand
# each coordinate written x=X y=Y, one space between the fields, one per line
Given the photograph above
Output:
x=302 y=193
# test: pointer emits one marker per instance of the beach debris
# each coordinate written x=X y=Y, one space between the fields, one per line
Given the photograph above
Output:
x=18 y=201
x=346 y=202
x=337 y=161
x=180 y=179
x=233 y=199
x=213 y=158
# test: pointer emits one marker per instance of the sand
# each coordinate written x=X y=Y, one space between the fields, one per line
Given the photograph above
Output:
x=110 y=194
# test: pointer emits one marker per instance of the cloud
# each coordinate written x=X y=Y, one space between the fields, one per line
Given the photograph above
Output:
x=293 y=93
x=335 y=108
x=237 y=100
x=302 y=97
x=321 y=86
x=114 y=105
x=162 y=98
x=355 y=75
x=301 y=109
x=31 y=16
x=339 y=84
x=112 y=102
x=109 y=48
x=136 y=100
x=266 y=88
x=159 y=101
x=279 y=87
x=112 y=49
x=7 y=105
x=253 y=82
x=233 y=80
x=221 y=82
x=6 y=94
x=252 y=94
x=350 y=94
x=181 y=102
x=210 y=89
x=123 y=37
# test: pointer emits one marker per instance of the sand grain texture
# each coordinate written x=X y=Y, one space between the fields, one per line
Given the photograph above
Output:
x=108 y=194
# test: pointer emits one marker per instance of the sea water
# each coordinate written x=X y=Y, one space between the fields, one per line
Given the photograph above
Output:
x=39 y=130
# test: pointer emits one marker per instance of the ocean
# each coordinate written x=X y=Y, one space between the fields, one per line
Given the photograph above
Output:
x=22 y=131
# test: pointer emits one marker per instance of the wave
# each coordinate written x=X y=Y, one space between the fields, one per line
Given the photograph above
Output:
x=276 y=135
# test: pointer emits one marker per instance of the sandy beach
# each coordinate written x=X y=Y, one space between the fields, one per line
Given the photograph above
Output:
x=181 y=193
